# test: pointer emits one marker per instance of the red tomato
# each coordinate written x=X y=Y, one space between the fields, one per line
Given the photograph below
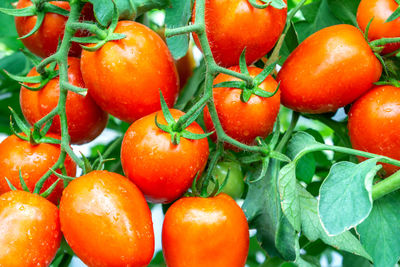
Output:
x=29 y=230
x=125 y=77
x=205 y=232
x=34 y=162
x=374 y=123
x=44 y=42
x=329 y=70
x=106 y=221
x=233 y=25
x=244 y=121
x=380 y=10
x=163 y=171
x=85 y=119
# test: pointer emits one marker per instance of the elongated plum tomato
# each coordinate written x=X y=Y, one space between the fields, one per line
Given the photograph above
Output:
x=380 y=10
x=163 y=171
x=85 y=119
x=44 y=42
x=33 y=161
x=125 y=76
x=201 y=232
x=244 y=121
x=374 y=124
x=233 y=25
x=329 y=70
x=106 y=221
x=29 y=230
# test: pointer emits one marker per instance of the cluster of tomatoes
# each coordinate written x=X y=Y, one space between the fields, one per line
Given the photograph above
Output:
x=104 y=216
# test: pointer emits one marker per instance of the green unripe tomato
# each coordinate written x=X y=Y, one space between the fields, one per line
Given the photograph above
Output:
x=235 y=184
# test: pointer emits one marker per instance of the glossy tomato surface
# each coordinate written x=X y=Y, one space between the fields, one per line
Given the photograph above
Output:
x=125 y=77
x=380 y=11
x=106 y=221
x=163 y=171
x=29 y=230
x=205 y=232
x=244 y=121
x=33 y=161
x=231 y=171
x=85 y=119
x=233 y=25
x=328 y=70
x=374 y=123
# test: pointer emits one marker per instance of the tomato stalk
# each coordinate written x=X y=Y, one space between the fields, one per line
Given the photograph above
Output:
x=387 y=186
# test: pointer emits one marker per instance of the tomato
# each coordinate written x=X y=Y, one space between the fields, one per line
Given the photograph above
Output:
x=125 y=77
x=44 y=42
x=329 y=70
x=163 y=171
x=29 y=230
x=106 y=221
x=234 y=186
x=233 y=25
x=85 y=119
x=205 y=232
x=374 y=123
x=244 y=121
x=34 y=161
x=380 y=10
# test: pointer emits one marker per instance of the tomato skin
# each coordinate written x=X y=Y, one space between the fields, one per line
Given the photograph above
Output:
x=85 y=119
x=205 y=232
x=163 y=171
x=29 y=230
x=380 y=10
x=44 y=42
x=34 y=162
x=244 y=121
x=329 y=70
x=234 y=186
x=130 y=97
x=112 y=211
x=374 y=124
x=228 y=27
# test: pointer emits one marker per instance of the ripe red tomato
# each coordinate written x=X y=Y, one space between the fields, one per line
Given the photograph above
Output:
x=29 y=230
x=106 y=221
x=244 y=121
x=205 y=232
x=163 y=171
x=125 y=77
x=330 y=69
x=85 y=119
x=44 y=42
x=34 y=162
x=380 y=10
x=233 y=25
x=374 y=123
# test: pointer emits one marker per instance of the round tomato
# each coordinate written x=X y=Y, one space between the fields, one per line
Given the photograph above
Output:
x=374 y=123
x=44 y=42
x=380 y=10
x=329 y=70
x=106 y=221
x=33 y=161
x=163 y=171
x=233 y=25
x=125 y=77
x=234 y=186
x=205 y=232
x=85 y=119
x=29 y=230
x=244 y=121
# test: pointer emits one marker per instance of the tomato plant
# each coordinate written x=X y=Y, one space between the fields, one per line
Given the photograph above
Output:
x=231 y=171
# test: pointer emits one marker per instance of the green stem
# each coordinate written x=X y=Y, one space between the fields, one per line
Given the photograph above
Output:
x=387 y=186
x=384 y=41
x=43 y=179
x=170 y=32
x=289 y=132
x=93 y=28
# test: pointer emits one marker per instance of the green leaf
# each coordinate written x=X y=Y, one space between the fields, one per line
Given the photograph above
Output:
x=345 y=195
x=313 y=230
x=178 y=15
x=380 y=232
x=345 y=10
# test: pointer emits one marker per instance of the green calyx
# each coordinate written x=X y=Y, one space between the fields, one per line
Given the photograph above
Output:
x=177 y=129
x=39 y=9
